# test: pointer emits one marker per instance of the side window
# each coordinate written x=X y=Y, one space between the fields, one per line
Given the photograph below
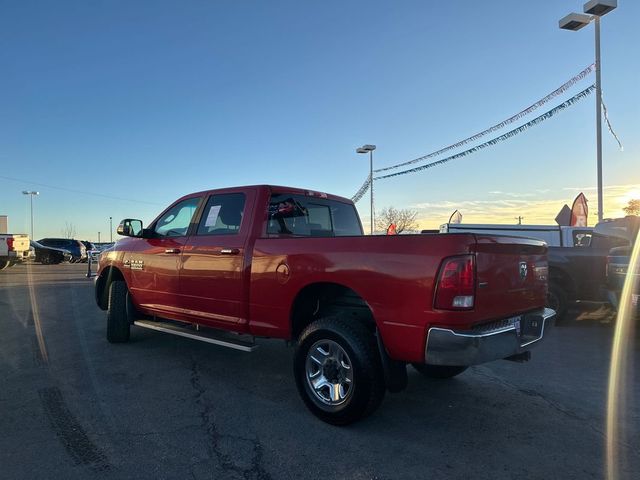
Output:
x=581 y=238
x=222 y=215
x=287 y=216
x=175 y=222
x=606 y=242
x=311 y=217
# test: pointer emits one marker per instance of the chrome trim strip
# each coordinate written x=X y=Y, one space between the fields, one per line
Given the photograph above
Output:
x=194 y=313
x=174 y=330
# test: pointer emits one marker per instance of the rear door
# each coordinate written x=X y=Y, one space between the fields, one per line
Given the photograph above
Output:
x=154 y=262
x=214 y=261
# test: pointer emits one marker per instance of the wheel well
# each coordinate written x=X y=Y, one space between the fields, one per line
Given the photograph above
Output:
x=563 y=279
x=324 y=299
x=108 y=275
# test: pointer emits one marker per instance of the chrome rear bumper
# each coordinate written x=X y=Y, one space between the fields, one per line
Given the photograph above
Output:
x=494 y=341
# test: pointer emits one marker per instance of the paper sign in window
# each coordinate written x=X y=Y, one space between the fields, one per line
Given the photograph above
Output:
x=212 y=217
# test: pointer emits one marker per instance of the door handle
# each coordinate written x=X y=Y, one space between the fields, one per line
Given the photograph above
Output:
x=230 y=251
x=172 y=250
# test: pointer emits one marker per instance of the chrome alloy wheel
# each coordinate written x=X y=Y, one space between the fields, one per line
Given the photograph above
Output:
x=329 y=372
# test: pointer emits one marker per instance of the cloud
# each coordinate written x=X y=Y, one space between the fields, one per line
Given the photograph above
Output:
x=512 y=195
x=529 y=205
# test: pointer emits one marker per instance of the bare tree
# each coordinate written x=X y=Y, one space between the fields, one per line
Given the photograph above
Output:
x=633 y=208
x=404 y=219
x=69 y=230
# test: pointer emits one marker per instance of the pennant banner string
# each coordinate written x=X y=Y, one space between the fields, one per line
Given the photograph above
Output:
x=362 y=190
x=576 y=98
x=584 y=73
x=606 y=119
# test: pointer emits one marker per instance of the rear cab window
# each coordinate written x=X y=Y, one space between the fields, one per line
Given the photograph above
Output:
x=311 y=216
x=581 y=238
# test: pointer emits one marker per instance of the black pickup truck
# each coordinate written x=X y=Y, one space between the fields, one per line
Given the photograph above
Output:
x=618 y=269
x=580 y=273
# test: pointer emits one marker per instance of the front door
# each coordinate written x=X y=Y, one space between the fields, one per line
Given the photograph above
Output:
x=213 y=260
x=154 y=263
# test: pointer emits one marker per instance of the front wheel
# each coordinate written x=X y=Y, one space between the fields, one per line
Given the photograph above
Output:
x=4 y=265
x=338 y=371
x=118 y=323
x=438 y=371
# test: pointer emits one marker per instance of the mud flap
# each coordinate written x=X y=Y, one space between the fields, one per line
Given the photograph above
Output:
x=395 y=373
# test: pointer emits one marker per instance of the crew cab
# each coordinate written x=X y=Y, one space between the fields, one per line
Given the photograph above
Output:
x=226 y=266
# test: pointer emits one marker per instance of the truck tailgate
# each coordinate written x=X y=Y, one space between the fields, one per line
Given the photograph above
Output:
x=511 y=275
x=21 y=242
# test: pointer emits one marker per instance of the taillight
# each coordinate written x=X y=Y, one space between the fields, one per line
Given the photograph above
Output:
x=456 y=283
x=10 y=243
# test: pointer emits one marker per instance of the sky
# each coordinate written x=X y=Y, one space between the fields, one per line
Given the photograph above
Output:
x=116 y=108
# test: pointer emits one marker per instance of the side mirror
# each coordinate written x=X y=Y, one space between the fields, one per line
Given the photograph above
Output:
x=130 y=227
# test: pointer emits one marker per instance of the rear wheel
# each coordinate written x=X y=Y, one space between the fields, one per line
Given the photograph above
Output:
x=338 y=371
x=557 y=299
x=118 y=324
x=5 y=264
x=439 y=371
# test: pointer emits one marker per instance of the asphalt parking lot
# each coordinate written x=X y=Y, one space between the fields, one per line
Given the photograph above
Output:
x=75 y=406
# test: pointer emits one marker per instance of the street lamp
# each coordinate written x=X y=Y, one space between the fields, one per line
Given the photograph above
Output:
x=575 y=21
x=111 y=229
x=369 y=149
x=31 y=194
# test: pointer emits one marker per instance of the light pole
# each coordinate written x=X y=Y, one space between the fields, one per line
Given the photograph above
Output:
x=364 y=149
x=111 y=229
x=98 y=237
x=575 y=21
x=31 y=194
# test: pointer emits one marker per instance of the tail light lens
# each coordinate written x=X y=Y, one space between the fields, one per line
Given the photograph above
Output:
x=10 y=243
x=456 y=285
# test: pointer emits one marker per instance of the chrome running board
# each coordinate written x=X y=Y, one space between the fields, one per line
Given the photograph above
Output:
x=217 y=337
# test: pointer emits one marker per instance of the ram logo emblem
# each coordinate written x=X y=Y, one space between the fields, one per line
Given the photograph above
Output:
x=523 y=270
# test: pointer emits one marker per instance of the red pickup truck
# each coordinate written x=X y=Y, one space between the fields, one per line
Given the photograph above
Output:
x=226 y=266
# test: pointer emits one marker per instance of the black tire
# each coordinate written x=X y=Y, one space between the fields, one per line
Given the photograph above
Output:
x=366 y=389
x=439 y=371
x=557 y=299
x=118 y=324
x=45 y=260
x=4 y=265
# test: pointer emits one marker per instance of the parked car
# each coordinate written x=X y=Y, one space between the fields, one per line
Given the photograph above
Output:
x=618 y=261
x=92 y=251
x=14 y=248
x=75 y=247
x=50 y=255
x=103 y=246
x=225 y=266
